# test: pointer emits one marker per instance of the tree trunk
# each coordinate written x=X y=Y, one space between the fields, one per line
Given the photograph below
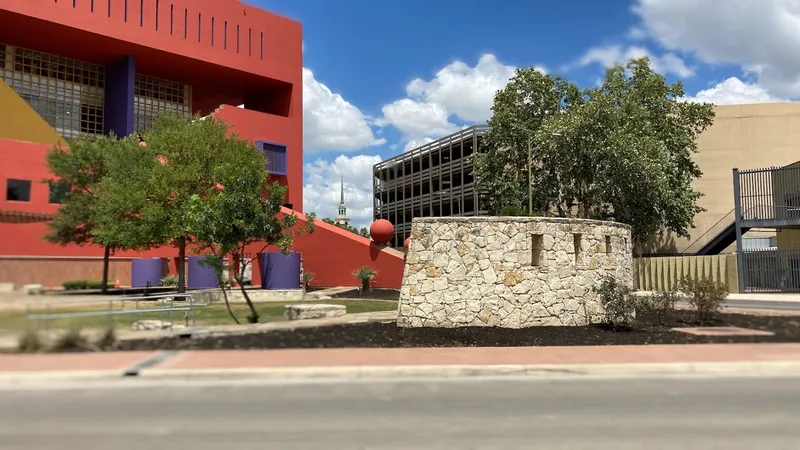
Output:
x=221 y=281
x=106 y=260
x=239 y=276
x=181 y=265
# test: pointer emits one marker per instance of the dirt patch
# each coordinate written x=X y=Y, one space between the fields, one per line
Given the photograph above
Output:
x=388 y=335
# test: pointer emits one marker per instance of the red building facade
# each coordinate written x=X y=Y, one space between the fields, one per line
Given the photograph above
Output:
x=101 y=66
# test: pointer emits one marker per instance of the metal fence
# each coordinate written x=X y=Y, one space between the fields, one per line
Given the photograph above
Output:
x=166 y=305
x=769 y=194
x=771 y=270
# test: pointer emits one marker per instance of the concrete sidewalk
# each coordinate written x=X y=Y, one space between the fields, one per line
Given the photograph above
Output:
x=378 y=362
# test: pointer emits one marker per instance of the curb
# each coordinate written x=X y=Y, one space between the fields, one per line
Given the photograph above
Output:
x=33 y=377
x=356 y=372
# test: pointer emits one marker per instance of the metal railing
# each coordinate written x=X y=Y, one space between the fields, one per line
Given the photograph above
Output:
x=166 y=305
x=723 y=223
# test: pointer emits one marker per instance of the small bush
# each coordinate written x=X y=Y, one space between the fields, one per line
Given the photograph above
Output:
x=71 y=340
x=661 y=306
x=107 y=340
x=365 y=275
x=169 y=280
x=705 y=296
x=619 y=306
x=308 y=277
x=30 y=342
x=72 y=285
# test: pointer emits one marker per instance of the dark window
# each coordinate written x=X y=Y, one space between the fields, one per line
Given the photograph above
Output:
x=18 y=190
x=58 y=190
x=277 y=163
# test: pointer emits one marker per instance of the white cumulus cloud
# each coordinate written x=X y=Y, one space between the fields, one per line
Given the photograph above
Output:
x=610 y=55
x=734 y=91
x=330 y=122
x=760 y=36
x=321 y=192
x=456 y=91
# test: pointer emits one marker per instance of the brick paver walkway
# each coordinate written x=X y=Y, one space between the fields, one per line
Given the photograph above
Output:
x=241 y=359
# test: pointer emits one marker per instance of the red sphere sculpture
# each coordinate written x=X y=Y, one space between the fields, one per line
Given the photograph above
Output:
x=381 y=231
x=405 y=244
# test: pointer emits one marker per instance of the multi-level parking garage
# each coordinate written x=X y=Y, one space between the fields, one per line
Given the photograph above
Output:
x=434 y=180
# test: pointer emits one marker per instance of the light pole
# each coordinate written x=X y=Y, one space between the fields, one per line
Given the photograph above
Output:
x=530 y=177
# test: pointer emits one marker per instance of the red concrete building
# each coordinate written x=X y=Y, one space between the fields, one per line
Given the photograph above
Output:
x=75 y=67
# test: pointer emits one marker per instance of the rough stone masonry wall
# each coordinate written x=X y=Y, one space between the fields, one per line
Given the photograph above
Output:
x=510 y=272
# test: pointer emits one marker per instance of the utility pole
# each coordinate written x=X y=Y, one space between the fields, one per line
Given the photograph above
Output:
x=530 y=177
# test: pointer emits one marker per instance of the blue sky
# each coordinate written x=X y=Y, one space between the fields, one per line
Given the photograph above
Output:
x=382 y=77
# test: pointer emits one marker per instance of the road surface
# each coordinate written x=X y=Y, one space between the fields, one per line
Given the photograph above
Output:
x=500 y=413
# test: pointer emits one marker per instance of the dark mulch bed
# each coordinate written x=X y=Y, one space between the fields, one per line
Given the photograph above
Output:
x=388 y=335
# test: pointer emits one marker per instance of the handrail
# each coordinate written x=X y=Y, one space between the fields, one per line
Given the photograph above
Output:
x=711 y=233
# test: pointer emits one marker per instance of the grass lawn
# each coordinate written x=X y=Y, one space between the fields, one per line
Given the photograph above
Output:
x=215 y=314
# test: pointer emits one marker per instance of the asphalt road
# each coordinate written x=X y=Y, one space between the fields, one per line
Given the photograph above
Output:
x=504 y=413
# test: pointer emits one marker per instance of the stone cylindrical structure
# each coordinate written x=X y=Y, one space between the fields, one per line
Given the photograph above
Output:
x=199 y=275
x=279 y=271
x=510 y=272
x=146 y=270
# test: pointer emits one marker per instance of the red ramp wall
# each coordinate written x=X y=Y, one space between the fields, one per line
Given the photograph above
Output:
x=333 y=254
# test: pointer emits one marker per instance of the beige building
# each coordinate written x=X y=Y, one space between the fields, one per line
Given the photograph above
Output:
x=745 y=137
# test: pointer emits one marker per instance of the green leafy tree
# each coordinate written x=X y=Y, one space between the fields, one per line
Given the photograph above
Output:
x=245 y=214
x=622 y=151
x=363 y=232
x=151 y=187
x=77 y=172
x=626 y=153
x=502 y=169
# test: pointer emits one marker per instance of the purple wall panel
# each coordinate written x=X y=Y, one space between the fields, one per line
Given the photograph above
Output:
x=277 y=160
x=120 y=78
x=279 y=271
x=200 y=276
x=146 y=270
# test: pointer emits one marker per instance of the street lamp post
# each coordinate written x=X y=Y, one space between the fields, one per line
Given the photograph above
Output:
x=530 y=177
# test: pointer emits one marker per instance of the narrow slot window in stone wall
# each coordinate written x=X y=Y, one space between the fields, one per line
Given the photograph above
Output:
x=536 y=249
x=608 y=244
x=576 y=240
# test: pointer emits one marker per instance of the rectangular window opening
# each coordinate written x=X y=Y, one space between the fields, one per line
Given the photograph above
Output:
x=199 y=25
x=212 y=31
x=576 y=242
x=249 y=42
x=262 y=45
x=536 y=249
x=18 y=190
x=109 y=8
x=157 y=14
x=185 y=23
x=141 y=13
x=608 y=244
x=171 y=18
x=237 y=38
x=74 y=3
x=225 y=36
x=125 y=15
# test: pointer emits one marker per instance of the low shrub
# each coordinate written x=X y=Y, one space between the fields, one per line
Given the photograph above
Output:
x=618 y=303
x=72 y=285
x=308 y=277
x=169 y=280
x=71 y=340
x=660 y=306
x=705 y=296
x=365 y=275
x=30 y=342
x=106 y=340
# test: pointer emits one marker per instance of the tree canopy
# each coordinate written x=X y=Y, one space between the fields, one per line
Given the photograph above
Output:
x=622 y=151
x=363 y=232
x=77 y=173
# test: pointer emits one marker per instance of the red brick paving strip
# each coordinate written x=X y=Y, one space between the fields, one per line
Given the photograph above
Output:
x=482 y=356
x=72 y=361
x=235 y=359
